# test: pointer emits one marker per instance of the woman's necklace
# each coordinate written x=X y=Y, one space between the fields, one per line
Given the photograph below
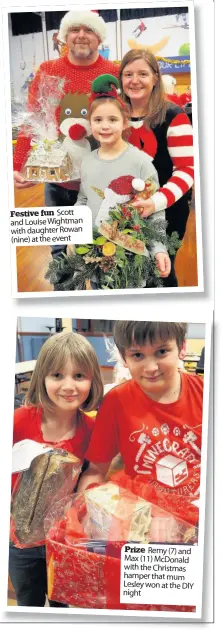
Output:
x=137 y=118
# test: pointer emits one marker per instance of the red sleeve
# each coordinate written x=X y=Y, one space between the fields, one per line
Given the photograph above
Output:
x=116 y=70
x=21 y=418
x=104 y=444
x=23 y=141
x=173 y=98
x=180 y=148
x=185 y=98
x=88 y=428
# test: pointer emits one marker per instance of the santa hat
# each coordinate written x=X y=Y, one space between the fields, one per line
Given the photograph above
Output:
x=85 y=18
x=126 y=185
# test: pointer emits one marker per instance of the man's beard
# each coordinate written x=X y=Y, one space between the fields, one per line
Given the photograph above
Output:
x=81 y=52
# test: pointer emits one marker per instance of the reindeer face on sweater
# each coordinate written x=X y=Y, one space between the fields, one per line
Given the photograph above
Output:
x=73 y=121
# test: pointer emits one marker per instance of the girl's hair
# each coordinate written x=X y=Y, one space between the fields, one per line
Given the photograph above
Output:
x=101 y=100
x=128 y=333
x=157 y=104
x=54 y=354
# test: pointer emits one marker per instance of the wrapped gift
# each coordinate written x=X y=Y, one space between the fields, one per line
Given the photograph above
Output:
x=84 y=541
x=50 y=477
x=48 y=160
x=109 y=509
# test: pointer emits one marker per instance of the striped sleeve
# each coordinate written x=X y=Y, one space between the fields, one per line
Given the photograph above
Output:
x=180 y=147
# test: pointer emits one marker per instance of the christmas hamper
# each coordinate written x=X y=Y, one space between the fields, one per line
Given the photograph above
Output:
x=50 y=477
x=50 y=156
x=84 y=537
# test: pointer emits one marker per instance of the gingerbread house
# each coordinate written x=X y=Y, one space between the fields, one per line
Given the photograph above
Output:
x=48 y=164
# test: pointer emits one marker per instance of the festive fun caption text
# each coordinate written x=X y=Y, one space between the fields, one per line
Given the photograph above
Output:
x=159 y=574
x=51 y=226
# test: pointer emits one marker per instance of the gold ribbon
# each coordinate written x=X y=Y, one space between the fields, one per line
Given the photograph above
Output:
x=183 y=62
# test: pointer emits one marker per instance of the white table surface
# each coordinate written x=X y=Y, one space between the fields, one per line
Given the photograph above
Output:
x=25 y=366
x=191 y=357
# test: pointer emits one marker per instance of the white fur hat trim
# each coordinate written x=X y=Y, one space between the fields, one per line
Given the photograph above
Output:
x=138 y=184
x=86 y=18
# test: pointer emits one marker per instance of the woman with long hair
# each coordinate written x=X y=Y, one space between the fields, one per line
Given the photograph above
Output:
x=161 y=129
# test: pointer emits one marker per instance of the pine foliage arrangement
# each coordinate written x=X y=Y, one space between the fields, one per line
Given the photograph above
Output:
x=103 y=264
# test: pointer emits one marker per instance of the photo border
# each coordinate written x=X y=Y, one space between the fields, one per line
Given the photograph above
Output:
x=207 y=320
x=103 y=292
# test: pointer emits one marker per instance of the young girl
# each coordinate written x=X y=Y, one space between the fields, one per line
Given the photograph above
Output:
x=66 y=384
x=112 y=166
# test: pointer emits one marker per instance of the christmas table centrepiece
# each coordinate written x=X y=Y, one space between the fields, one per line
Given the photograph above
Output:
x=50 y=477
x=119 y=256
x=84 y=540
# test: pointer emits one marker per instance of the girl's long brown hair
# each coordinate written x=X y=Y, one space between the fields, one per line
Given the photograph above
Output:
x=157 y=104
x=55 y=352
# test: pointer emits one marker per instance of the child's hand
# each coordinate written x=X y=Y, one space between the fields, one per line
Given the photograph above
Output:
x=164 y=529
x=144 y=206
x=163 y=264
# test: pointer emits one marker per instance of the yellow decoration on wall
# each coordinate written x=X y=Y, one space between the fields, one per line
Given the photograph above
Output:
x=155 y=48
x=184 y=62
x=63 y=49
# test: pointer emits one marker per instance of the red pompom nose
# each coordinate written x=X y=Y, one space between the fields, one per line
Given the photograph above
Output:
x=76 y=132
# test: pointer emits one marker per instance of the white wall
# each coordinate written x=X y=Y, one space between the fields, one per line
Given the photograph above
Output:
x=38 y=324
x=27 y=48
x=196 y=331
x=165 y=32
x=30 y=49
x=35 y=324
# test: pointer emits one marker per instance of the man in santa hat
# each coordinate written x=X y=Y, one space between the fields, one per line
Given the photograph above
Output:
x=82 y=32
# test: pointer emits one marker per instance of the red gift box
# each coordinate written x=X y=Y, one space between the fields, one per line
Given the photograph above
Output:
x=85 y=573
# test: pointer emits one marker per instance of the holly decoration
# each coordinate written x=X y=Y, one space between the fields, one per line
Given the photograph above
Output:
x=103 y=264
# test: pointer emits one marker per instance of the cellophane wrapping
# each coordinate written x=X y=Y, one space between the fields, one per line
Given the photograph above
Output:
x=50 y=477
x=84 y=540
x=47 y=159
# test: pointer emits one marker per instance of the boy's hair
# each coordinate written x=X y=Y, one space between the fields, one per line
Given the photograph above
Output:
x=55 y=352
x=101 y=100
x=128 y=333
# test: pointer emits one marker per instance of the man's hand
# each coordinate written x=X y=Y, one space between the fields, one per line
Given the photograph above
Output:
x=163 y=264
x=144 y=206
x=20 y=182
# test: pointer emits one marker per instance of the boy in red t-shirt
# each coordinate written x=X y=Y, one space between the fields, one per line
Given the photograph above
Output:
x=154 y=419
